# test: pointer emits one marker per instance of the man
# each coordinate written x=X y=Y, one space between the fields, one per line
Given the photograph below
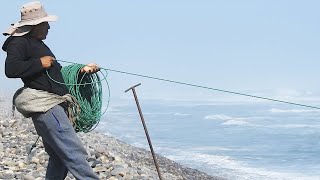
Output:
x=30 y=59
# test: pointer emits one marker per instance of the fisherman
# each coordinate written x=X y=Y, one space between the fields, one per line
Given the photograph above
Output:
x=42 y=99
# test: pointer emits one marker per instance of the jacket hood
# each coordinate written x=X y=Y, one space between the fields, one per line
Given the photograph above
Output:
x=5 y=44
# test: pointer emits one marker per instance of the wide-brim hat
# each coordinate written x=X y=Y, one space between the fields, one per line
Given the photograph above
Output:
x=32 y=14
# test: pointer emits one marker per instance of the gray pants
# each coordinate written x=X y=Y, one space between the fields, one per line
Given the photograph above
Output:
x=64 y=147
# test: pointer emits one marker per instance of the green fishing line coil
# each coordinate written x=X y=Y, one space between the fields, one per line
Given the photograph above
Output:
x=87 y=88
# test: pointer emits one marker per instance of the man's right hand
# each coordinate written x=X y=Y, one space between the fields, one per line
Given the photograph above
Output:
x=47 y=61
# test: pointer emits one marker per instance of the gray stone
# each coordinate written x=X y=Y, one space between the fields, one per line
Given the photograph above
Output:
x=119 y=171
x=1 y=148
x=28 y=177
x=95 y=163
x=112 y=178
x=8 y=174
x=100 y=169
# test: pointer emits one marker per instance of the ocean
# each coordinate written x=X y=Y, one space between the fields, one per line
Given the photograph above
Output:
x=257 y=140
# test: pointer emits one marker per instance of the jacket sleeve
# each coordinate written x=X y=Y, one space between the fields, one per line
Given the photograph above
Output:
x=18 y=64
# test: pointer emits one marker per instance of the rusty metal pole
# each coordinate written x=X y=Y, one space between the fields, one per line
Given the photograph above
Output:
x=145 y=127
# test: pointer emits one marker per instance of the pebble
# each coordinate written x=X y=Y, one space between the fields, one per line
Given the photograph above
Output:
x=1 y=147
x=28 y=177
x=119 y=171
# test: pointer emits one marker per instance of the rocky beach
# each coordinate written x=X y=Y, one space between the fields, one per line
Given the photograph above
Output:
x=110 y=158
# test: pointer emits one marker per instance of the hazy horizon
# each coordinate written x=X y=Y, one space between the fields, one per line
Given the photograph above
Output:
x=258 y=47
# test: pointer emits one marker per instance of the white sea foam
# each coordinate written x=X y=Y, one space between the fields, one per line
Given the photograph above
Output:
x=225 y=166
x=217 y=117
x=290 y=126
x=228 y=119
x=275 y=110
x=181 y=114
x=235 y=122
x=217 y=148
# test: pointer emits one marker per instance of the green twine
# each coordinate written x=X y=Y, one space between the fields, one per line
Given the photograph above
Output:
x=87 y=89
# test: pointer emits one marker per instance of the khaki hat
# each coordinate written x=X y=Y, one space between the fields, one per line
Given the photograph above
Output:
x=32 y=13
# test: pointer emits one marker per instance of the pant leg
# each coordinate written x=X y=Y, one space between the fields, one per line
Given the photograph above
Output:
x=56 y=169
x=57 y=131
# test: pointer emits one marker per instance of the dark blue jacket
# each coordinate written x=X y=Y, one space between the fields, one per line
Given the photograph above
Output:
x=23 y=61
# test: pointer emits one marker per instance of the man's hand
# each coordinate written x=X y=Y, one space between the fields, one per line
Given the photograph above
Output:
x=90 y=68
x=47 y=61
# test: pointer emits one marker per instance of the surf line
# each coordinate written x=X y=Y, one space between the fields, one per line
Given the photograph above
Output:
x=202 y=87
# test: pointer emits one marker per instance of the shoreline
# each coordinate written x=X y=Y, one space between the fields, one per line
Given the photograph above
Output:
x=139 y=157
x=110 y=158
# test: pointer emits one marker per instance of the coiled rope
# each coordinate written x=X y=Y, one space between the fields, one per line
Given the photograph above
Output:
x=87 y=89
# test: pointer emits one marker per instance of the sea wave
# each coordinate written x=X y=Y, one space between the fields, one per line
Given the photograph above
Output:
x=228 y=120
x=293 y=126
x=223 y=117
x=235 y=122
x=225 y=166
x=181 y=114
x=218 y=148
x=275 y=110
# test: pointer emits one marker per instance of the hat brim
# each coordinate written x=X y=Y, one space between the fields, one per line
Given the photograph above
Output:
x=23 y=27
x=49 y=18
x=20 y=31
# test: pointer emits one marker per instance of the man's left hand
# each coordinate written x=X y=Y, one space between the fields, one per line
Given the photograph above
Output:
x=90 y=68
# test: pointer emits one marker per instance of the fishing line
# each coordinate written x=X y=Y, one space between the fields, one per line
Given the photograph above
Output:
x=214 y=89
x=205 y=87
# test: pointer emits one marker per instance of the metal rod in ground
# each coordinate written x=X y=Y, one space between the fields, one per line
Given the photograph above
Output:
x=145 y=127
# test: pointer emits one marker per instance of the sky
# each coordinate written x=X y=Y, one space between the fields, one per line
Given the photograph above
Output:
x=262 y=47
